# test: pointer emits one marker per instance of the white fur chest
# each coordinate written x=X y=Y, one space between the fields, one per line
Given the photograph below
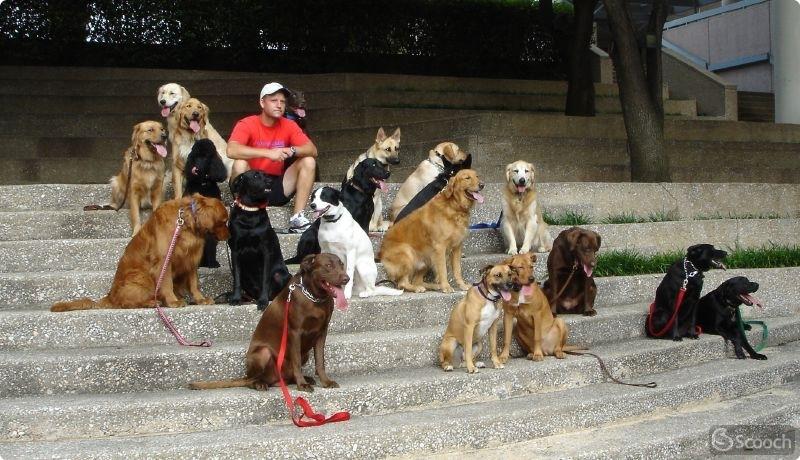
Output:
x=489 y=315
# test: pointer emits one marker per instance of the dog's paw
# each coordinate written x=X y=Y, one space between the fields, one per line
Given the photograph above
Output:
x=535 y=356
x=472 y=370
x=693 y=336
x=590 y=312
x=480 y=364
x=511 y=251
x=503 y=358
x=234 y=299
x=310 y=380
x=205 y=301
x=464 y=286
x=260 y=386
x=176 y=303
x=330 y=384
x=524 y=249
x=497 y=364
x=261 y=304
x=305 y=387
x=747 y=327
x=559 y=354
x=448 y=368
x=447 y=288
x=759 y=356
x=677 y=339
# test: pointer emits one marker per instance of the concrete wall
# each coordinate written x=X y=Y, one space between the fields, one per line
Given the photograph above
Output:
x=755 y=77
x=714 y=96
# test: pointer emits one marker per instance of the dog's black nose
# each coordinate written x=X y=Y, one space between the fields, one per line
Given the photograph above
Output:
x=480 y=186
x=163 y=135
x=522 y=181
x=195 y=114
x=163 y=101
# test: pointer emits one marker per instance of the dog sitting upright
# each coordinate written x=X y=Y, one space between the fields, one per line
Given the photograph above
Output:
x=357 y=197
x=718 y=313
x=203 y=170
x=339 y=234
x=387 y=151
x=257 y=262
x=570 y=287
x=661 y=321
x=474 y=315
x=522 y=224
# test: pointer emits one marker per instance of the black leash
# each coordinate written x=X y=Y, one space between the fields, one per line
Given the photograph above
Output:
x=608 y=374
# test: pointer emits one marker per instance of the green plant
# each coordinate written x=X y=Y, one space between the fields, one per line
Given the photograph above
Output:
x=565 y=218
x=624 y=218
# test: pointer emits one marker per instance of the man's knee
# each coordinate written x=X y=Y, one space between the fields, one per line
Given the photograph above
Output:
x=307 y=164
x=239 y=166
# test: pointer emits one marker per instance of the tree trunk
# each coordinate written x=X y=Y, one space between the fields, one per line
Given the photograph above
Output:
x=655 y=28
x=644 y=123
x=580 y=87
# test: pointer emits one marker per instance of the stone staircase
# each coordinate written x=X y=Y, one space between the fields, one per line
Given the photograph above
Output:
x=66 y=125
x=112 y=383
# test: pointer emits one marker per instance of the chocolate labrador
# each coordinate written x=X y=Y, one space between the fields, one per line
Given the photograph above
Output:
x=570 y=287
x=314 y=290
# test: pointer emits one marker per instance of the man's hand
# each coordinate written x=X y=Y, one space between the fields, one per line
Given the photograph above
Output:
x=279 y=154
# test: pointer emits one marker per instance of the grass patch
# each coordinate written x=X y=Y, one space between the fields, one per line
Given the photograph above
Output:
x=731 y=215
x=565 y=218
x=628 y=262
x=631 y=218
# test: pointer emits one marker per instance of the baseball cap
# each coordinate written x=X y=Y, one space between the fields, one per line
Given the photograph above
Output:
x=272 y=88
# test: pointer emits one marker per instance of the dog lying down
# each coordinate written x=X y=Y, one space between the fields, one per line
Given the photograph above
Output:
x=339 y=234
x=718 y=313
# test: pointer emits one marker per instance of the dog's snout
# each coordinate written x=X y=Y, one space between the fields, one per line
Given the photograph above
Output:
x=163 y=134
x=195 y=114
x=163 y=101
x=345 y=279
x=480 y=186
x=522 y=181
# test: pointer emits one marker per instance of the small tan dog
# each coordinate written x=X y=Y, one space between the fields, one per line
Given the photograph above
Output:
x=141 y=178
x=423 y=240
x=522 y=216
x=169 y=97
x=386 y=149
x=474 y=315
x=537 y=331
x=425 y=173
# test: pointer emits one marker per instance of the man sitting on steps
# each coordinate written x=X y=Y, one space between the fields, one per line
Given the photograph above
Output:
x=277 y=146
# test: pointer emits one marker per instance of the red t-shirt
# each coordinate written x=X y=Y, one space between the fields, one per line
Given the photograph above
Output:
x=251 y=132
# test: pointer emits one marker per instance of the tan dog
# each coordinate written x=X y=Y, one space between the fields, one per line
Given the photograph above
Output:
x=387 y=151
x=425 y=173
x=474 y=315
x=169 y=97
x=537 y=331
x=144 y=159
x=140 y=265
x=522 y=216
x=190 y=127
x=423 y=240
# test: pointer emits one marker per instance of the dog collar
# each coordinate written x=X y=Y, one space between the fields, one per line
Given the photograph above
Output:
x=438 y=166
x=303 y=289
x=250 y=208
x=486 y=294
x=332 y=219
x=689 y=274
x=353 y=184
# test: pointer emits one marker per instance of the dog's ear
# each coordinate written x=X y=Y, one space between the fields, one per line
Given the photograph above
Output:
x=467 y=163
x=509 y=167
x=206 y=110
x=217 y=171
x=532 y=256
x=597 y=236
x=185 y=96
x=573 y=236
x=396 y=134
x=236 y=183
x=448 y=151
x=483 y=271
x=307 y=264
x=381 y=136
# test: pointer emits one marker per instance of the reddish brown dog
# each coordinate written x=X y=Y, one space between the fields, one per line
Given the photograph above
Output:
x=316 y=286
x=570 y=287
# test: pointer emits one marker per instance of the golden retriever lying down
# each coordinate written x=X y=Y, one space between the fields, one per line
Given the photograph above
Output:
x=138 y=270
x=423 y=239
x=144 y=159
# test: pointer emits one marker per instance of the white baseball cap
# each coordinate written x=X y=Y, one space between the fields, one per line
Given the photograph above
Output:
x=272 y=88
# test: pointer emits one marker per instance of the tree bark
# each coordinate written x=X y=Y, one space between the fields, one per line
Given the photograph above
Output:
x=644 y=122
x=655 y=28
x=580 y=84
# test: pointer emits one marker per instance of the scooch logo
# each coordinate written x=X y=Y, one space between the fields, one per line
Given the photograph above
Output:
x=753 y=439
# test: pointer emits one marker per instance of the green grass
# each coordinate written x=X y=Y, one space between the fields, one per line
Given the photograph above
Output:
x=628 y=262
x=565 y=218
x=631 y=218
x=731 y=215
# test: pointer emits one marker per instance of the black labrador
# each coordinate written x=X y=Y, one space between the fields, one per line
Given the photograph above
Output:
x=259 y=271
x=661 y=321
x=718 y=313
x=433 y=189
x=204 y=168
x=356 y=195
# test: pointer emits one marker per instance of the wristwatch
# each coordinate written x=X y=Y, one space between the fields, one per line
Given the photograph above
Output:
x=293 y=150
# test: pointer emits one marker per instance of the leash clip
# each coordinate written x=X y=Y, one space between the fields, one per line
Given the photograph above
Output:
x=180 y=220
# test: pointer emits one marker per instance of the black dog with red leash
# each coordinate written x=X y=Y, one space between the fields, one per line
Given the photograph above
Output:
x=674 y=313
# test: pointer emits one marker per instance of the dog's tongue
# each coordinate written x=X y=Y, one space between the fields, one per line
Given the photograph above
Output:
x=506 y=295
x=520 y=188
x=753 y=300
x=165 y=111
x=194 y=125
x=588 y=270
x=161 y=150
x=382 y=185
x=527 y=290
x=478 y=197
x=300 y=113
x=339 y=299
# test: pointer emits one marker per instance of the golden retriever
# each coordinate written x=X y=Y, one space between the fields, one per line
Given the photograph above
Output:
x=140 y=265
x=385 y=149
x=142 y=175
x=425 y=173
x=423 y=239
x=522 y=216
x=169 y=97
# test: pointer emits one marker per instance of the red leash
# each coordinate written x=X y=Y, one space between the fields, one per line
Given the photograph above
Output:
x=164 y=318
x=678 y=302
x=317 y=418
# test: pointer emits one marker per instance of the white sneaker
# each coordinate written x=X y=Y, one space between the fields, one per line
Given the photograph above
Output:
x=298 y=223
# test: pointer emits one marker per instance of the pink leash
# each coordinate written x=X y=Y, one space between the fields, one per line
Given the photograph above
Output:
x=164 y=318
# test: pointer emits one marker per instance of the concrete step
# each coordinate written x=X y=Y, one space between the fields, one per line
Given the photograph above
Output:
x=37 y=329
x=439 y=428
x=99 y=252
x=32 y=418
x=45 y=125
x=595 y=200
x=677 y=433
x=162 y=367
